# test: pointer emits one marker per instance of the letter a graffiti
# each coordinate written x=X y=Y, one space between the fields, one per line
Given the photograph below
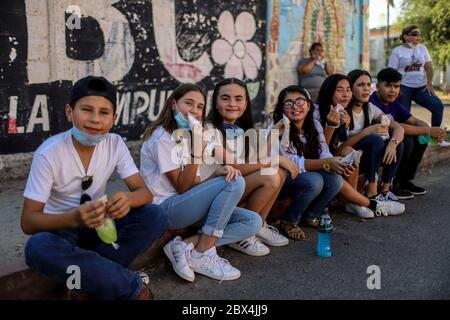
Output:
x=74 y=20
x=374 y=280
x=74 y=280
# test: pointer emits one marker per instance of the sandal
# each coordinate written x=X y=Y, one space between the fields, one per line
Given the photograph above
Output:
x=310 y=222
x=292 y=230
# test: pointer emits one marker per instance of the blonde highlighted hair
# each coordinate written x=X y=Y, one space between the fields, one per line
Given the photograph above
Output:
x=166 y=118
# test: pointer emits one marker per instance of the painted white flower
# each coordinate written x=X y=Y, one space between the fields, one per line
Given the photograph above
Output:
x=234 y=49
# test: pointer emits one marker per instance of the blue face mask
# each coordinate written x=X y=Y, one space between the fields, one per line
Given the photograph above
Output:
x=232 y=131
x=182 y=122
x=85 y=138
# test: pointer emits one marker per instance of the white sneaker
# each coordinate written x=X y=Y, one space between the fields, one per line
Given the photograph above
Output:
x=391 y=208
x=360 y=211
x=389 y=196
x=211 y=265
x=444 y=143
x=177 y=251
x=251 y=246
x=271 y=236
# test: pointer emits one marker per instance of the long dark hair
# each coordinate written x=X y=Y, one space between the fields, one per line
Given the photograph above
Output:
x=312 y=148
x=166 y=118
x=325 y=100
x=352 y=77
x=326 y=93
x=245 y=121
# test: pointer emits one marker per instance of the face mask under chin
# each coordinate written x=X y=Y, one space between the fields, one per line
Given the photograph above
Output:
x=181 y=120
x=85 y=138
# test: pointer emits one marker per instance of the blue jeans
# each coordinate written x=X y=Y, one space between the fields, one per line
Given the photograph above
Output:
x=311 y=192
x=212 y=205
x=423 y=98
x=412 y=156
x=103 y=269
x=373 y=147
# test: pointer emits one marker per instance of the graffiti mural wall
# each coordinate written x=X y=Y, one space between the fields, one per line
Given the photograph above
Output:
x=293 y=25
x=145 y=47
x=148 y=47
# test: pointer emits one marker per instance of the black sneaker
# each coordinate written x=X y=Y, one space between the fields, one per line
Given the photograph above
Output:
x=412 y=188
x=402 y=194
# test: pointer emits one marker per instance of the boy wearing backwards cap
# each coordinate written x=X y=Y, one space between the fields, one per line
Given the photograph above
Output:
x=68 y=171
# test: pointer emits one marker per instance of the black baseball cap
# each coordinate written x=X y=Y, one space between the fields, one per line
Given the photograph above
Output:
x=94 y=86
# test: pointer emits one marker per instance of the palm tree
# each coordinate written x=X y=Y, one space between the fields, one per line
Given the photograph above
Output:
x=389 y=4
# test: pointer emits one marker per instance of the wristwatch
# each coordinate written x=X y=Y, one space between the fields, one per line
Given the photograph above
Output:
x=326 y=165
x=395 y=141
x=330 y=126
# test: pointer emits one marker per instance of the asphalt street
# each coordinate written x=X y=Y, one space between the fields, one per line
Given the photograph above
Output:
x=412 y=252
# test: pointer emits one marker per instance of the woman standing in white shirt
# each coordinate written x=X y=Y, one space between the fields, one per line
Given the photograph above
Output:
x=414 y=63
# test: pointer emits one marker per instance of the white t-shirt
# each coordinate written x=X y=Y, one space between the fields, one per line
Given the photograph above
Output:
x=411 y=64
x=57 y=171
x=292 y=154
x=358 y=119
x=161 y=154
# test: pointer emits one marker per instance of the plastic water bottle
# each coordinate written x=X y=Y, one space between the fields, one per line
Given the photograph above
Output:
x=324 y=237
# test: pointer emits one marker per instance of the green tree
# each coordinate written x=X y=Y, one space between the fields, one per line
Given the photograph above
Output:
x=433 y=19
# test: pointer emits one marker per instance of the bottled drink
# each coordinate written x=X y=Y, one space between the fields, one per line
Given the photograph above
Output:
x=324 y=237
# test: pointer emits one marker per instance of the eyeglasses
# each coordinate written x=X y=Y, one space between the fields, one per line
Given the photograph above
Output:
x=414 y=34
x=86 y=182
x=288 y=104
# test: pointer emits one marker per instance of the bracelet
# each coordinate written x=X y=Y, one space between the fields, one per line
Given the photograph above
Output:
x=326 y=165
x=329 y=126
x=395 y=141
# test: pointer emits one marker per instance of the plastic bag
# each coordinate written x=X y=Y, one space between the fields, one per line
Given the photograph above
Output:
x=352 y=158
x=385 y=120
x=285 y=136
x=193 y=122
x=107 y=232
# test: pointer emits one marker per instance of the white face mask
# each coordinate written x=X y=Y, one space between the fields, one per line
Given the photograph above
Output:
x=411 y=44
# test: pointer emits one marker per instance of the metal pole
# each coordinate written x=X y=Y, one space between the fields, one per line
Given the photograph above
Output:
x=387 y=34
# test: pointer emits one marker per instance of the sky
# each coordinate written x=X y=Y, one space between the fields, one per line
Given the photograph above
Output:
x=378 y=12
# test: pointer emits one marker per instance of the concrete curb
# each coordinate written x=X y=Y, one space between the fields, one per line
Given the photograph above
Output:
x=18 y=282
x=17 y=166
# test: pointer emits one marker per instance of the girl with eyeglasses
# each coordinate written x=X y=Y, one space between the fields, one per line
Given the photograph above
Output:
x=170 y=168
x=231 y=114
x=319 y=178
x=414 y=63
x=336 y=91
